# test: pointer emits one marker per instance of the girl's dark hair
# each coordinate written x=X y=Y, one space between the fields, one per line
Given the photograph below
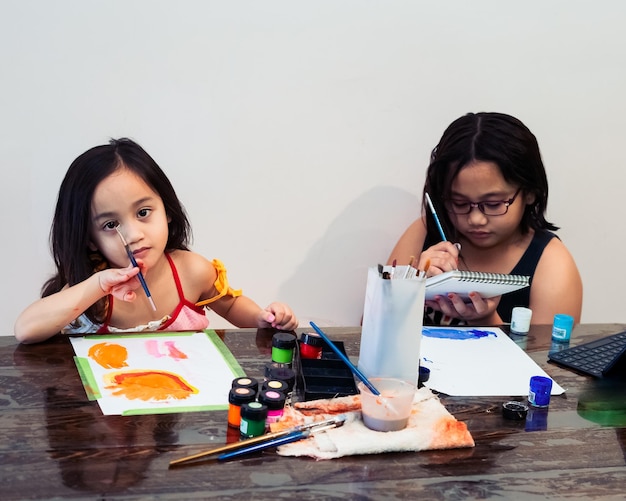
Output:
x=69 y=235
x=488 y=137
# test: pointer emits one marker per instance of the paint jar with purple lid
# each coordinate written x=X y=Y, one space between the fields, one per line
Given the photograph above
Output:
x=275 y=403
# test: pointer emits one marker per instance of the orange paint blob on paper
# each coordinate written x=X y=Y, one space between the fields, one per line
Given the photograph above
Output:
x=149 y=385
x=109 y=355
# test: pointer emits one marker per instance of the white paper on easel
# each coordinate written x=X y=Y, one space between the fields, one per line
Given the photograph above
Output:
x=477 y=361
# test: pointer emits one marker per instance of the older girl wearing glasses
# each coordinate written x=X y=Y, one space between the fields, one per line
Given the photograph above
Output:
x=489 y=187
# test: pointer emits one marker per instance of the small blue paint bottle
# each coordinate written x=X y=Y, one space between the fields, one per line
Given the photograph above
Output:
x=539 y=392
x=562 y=327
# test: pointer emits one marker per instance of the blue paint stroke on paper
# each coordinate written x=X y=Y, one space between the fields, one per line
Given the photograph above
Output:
x=460 y=334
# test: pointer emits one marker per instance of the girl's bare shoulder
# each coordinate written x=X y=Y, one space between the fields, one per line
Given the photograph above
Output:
x=556 y=251
x=557 y=265
x=193 y=268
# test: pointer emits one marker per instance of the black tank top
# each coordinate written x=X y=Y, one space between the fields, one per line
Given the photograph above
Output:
x=525 y=266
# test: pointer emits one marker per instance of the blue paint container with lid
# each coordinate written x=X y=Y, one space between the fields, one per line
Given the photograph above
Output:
x=539 y=392
x=562 y=327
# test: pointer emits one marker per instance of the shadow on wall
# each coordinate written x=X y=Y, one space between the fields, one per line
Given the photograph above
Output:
x=328 y=287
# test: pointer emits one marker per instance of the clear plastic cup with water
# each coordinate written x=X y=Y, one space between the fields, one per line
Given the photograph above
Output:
x=390 y=410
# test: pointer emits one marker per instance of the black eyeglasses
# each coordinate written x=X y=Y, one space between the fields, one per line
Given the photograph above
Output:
x=489 y=208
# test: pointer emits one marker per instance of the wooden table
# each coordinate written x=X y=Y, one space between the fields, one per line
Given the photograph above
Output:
x=54 y=443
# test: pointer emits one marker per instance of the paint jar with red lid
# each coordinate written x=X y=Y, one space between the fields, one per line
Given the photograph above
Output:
x=283 y=344
x=253 y=417
x=311 y=345
x=275 y=402
x=236 y=398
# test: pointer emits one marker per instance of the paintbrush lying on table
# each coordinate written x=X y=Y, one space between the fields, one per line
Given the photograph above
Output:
x=264 y=441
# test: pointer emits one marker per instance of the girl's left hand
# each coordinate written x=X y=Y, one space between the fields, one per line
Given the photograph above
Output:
x=480 y=311
x=279 y=316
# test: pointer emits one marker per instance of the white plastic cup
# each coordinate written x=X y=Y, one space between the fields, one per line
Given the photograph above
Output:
x=520 y=320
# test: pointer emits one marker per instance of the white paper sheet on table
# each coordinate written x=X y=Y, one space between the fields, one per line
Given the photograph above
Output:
x=182 y=360
x=477 y=361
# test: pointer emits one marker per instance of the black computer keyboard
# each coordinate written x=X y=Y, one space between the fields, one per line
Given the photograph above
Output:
x=606 y=356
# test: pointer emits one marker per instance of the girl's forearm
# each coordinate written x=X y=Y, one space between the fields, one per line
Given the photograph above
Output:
x=47 y=316
x=241 y=311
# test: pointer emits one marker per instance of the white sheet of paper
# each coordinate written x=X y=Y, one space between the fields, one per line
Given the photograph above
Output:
x=477 y=361
x=190 y=357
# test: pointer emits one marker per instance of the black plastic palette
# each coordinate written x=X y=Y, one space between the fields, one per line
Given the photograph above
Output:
x=325 y=377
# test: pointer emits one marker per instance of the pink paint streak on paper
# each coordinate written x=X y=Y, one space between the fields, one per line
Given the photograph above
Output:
x=152 y=347
x=175 y=352
x=159 y=349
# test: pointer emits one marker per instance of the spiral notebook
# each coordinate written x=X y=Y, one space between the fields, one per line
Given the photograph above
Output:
x=463 y=282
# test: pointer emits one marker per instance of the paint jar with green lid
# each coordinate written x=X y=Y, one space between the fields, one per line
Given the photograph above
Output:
x=253 y=417
x=283 y=344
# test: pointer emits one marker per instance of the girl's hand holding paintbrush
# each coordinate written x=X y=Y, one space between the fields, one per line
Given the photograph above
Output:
x=120 y=282
x=439 y=258
x=479 y=311
x=443 y=257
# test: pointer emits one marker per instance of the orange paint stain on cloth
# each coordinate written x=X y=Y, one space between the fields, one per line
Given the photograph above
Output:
x=109 y=355
x=149 y=385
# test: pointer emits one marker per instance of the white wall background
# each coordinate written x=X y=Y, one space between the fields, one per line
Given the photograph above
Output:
x=297 y=133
